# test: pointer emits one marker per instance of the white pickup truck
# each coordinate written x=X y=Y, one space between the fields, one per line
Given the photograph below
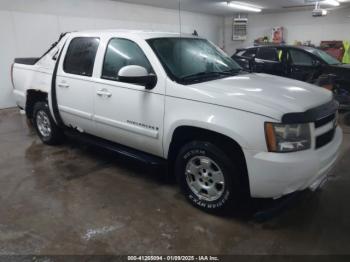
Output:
x=153 y=96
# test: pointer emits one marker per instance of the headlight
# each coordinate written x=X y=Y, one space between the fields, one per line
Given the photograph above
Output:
x=287 y=138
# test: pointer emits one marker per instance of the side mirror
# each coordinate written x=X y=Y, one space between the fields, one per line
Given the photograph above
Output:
x=135 y=74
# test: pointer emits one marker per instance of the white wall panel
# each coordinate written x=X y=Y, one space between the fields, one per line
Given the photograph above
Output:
x=300 y=26
x=33 y=32
x=29 y=27
x=7 y=52
x=68 y=23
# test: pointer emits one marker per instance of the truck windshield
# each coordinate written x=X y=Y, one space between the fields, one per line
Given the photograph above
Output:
x=193 y=60
x=325 y=57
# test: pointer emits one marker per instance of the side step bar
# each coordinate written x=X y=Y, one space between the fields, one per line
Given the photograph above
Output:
x=117 y=148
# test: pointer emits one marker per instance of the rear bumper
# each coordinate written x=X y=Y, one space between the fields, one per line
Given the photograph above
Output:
x=273 y=175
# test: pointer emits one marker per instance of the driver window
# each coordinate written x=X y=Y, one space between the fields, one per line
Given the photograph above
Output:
x=120 y=53
x=300 y=58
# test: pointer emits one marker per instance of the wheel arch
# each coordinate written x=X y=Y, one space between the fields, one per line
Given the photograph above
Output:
x=186 y=133
x=33 y=96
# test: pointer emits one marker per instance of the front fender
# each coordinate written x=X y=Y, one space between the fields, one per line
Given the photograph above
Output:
x=246 y=129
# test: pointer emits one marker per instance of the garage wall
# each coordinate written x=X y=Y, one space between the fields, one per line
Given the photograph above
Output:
x=299 y=26
x=29 y=27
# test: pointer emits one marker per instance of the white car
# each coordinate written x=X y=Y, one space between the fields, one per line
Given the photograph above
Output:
x=161 y=97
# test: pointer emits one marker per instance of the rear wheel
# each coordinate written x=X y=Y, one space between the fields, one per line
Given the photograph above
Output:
x=45 y=126
x=208 y=177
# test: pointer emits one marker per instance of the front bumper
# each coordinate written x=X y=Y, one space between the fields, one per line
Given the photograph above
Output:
x=273 y=175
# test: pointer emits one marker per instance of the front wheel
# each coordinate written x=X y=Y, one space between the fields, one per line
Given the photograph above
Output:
x=45 y=126
x=207 y=176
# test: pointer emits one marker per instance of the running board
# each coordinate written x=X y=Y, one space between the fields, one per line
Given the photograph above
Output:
x=116 y=148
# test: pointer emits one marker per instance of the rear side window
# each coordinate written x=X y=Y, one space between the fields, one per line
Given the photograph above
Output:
x=269 y=54
x=250 y=53
x=80 y=57
x=300 y=58
x=122 y=52
x=239 y=53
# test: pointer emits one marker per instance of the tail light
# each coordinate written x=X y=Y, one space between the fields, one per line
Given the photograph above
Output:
x=13 y=84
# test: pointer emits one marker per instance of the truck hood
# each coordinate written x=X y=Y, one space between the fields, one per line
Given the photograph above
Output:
x=262 y=94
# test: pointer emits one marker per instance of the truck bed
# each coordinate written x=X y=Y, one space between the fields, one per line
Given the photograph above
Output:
x=28 y=75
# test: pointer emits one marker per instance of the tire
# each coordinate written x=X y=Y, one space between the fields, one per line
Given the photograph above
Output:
x=208 y=177
x=45 y=126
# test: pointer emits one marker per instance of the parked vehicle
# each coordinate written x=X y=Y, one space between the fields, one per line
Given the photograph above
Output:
x=162 y=98
x=302 y=63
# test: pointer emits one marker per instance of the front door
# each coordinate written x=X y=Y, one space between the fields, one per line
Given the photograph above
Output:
x=127 y=113
x=302 y=66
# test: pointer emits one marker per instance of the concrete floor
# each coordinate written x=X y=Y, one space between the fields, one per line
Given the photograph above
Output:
x=74 y=199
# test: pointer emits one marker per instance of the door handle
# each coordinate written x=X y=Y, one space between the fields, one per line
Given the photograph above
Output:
x=259 y=61
x=103 y=93
x=63 y=85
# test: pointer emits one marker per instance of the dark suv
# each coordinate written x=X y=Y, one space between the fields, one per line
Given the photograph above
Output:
x=302 y=63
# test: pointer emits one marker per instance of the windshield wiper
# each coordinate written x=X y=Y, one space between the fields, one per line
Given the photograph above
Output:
x=232 y=71
x=200 y=75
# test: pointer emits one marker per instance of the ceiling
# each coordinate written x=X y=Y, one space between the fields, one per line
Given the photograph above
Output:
x=219 y=7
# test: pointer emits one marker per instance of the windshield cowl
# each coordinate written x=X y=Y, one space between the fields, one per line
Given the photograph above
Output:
x=208 y=76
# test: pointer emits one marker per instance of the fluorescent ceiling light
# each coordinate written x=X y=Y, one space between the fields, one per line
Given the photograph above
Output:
x=243 y=6
x=330 y=2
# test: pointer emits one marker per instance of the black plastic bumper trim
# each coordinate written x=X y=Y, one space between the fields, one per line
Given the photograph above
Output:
x=311 y=115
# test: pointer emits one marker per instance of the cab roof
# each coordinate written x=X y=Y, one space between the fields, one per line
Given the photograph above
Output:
x=306 y=48
x=140 y=33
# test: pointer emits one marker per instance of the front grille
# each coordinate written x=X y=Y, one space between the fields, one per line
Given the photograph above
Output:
x=325 y=138
x=324 y=121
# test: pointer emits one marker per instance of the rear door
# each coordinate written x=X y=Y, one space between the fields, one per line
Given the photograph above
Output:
x=269 y=60
x=74 y=86
x=303 y=66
